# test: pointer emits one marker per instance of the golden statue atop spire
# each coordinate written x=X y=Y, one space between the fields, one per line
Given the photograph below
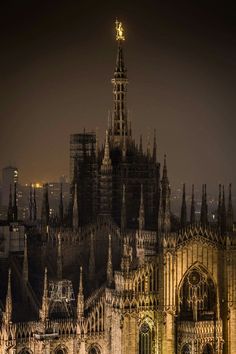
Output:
x=119 y=31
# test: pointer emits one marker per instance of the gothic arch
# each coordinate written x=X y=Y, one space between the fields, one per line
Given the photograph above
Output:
x=146 y=336
x=25 y=351
x=186 y=349
x=61 y=350
x=207 y=349
x=197 y=295
x=94 y=349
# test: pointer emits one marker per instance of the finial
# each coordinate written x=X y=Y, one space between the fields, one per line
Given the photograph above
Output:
x=119 y=31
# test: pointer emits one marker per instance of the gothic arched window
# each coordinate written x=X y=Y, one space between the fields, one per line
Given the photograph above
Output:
x=60 y=351
x=197 y=296
x=145 y=339
x=94 y=350
x=186 y=349
x=207 y=349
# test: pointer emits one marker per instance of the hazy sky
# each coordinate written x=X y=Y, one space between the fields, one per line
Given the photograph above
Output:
x=57 y=60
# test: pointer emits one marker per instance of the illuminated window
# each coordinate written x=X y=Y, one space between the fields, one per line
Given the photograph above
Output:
x=145 y=339
x=197 y=296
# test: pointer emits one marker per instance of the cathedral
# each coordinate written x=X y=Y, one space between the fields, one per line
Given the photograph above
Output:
x=116 y=272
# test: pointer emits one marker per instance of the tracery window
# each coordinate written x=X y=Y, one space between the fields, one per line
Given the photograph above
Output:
x=94 y=350
x=197 y=296
x=60 y=351
x=207 y=349
x=145 y=339
x=186 y=349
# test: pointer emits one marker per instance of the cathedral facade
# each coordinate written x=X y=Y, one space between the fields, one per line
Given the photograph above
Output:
x=117 y=272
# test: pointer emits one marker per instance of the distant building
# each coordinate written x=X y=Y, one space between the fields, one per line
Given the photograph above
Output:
x=10 y=175
x=11 y=239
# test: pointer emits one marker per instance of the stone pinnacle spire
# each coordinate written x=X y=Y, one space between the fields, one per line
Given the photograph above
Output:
x=154 y=154
x=183 y=217
x=30 y=203
x=219 y=208
x=92 y=261
x=141 y=144
x=123 y=222
x=44 y=312
x=106 y=159
x=59 y=258
x=204 y=208
x=25 y=270
x=230 y=212
x=61 y=209
x=141 y=219
x=80 y=298
x=164 y=209
x=109 y=263
x=45 y=206
x=8 y=307
x=15 y=209
x=192 y=211
x=223 y=212
x=34 y=206
x=75 y=212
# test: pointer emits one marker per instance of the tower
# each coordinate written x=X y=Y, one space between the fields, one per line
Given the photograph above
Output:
x=119 y=128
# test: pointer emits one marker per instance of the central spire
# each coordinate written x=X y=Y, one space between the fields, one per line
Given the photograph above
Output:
x=120 y=129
